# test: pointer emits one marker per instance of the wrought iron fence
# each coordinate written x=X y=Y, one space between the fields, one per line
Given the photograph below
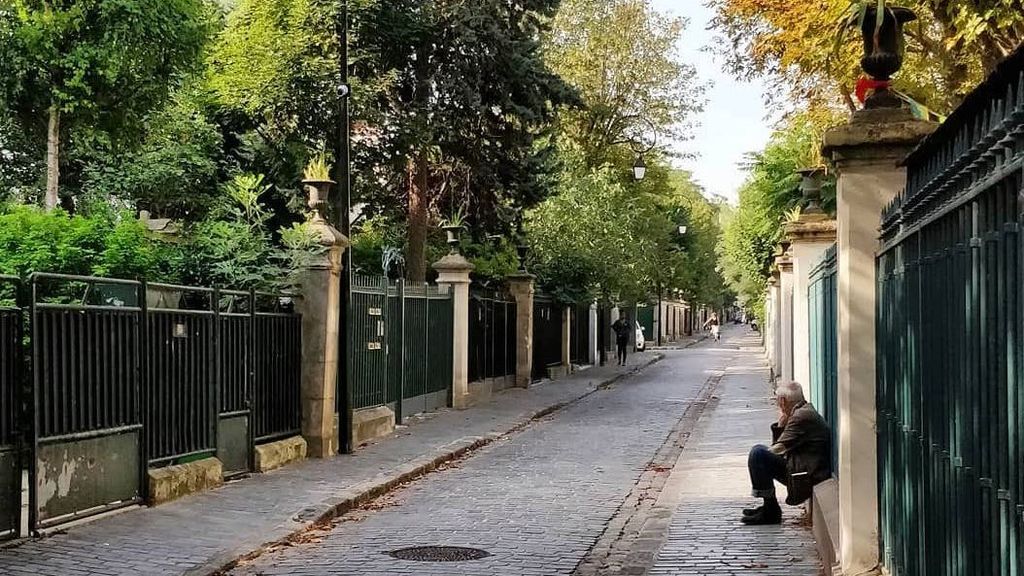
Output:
x=824 y=332
x=492 y=336
x=547 y=335
x=277 y=352
x=12 y=422
x=129 y=375
x=425 y=345
x=950 y=394
x=579 y=339
x=401 y=352
x=645 y=317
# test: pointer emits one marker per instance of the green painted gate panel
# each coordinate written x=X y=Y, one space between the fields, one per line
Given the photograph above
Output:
x=417 y=343
x=645 y=316
x=949 y=337
x=824 y=332
x=369 y=350
x=11 y=415
x=441 y=317
x=402 y=345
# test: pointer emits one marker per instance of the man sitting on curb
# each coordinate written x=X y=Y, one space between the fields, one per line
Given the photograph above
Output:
x=799 y=456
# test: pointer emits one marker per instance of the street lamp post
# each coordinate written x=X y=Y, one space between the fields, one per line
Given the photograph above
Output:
x=342 y=212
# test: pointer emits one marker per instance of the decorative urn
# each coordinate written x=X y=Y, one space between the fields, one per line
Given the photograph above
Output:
x=883 y=51
x=319 y=192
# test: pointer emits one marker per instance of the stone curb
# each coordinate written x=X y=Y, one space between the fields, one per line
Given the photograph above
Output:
x=369 y=490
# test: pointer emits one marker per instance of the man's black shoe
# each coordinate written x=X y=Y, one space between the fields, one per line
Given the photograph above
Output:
x=752 y=511
x=769 y=514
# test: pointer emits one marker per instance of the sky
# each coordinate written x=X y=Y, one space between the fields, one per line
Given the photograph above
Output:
x=735 y=120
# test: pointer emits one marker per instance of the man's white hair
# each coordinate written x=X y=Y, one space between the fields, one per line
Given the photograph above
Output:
x=792 y=392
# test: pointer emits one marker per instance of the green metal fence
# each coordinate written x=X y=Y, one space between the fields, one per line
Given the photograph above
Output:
x=824 y=331
x=401 y=353
x=950 y=399
x=645 y=316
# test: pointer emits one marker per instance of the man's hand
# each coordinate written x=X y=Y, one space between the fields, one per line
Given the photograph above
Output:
x=783 y=417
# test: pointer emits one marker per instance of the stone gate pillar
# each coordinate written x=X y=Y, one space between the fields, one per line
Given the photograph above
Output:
x=867 y=153
x=320 y=306
x=810 y=237
x=774 y=327
x=453 y=271
x=785 y=332
x=592 y=349
x=521 y=286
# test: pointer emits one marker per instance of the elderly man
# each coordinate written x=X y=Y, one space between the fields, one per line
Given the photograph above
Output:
x=798 y=457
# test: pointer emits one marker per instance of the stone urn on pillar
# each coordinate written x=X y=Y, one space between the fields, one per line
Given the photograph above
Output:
x=318 y=192
x=883 y=51
x=810 y=188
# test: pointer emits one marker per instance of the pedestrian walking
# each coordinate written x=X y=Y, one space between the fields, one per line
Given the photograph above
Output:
x=621 y=328
x=715 y=325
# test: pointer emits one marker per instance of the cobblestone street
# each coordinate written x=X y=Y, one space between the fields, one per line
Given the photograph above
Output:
x=540 y=500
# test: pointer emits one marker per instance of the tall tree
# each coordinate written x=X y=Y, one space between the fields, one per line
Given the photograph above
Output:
x=452 y=100
x=96 y=63
x=622 y=56
x=469 y=109
x=949 y=48
x=767 y=198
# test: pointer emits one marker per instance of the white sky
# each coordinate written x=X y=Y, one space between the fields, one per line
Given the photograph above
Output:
x=735 y=120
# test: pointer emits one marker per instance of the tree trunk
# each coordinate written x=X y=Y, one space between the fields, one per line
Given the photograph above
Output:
x=53 y=158
x=419 y=203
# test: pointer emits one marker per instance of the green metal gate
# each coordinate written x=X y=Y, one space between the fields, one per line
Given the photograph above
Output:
x=369 y=355
x=401 y=345
x=645 y=316
x=89 y=448
x=11 y=386
x=824 y=333
x=949 y=334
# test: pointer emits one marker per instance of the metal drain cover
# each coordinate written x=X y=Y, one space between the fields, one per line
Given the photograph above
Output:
x=439 y=554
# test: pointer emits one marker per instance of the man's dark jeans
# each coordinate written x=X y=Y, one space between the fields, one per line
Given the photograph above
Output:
x=622 y=346
x=765 y=467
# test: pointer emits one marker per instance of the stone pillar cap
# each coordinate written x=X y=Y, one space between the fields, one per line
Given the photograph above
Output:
x=521 y=277
x=453 y=263
x=880 y=128
x=811 y=230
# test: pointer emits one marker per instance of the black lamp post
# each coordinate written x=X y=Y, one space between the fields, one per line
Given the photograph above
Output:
x=342 y=206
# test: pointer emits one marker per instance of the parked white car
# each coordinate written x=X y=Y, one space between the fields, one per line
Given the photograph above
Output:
x=641 y=340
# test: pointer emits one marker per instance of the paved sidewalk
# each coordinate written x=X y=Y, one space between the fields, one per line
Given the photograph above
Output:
x=200 y=534
x=711 y=487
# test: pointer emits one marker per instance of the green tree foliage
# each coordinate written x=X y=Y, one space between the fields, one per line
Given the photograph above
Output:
x=35 y=241
x=622 y=57
x=92 y=68
x=173 y=174
x=453 y=100
x=769 y=193
x=949 y=48
x=600 y=237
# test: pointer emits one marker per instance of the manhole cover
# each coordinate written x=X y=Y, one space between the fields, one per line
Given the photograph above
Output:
x=439 y=554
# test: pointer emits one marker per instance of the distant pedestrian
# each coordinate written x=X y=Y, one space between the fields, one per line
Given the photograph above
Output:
x=799 y=456
x=715 y=325
x=621 y=328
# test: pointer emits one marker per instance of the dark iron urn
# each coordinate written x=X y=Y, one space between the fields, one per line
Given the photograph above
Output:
x=522 y=250
x=883 y=52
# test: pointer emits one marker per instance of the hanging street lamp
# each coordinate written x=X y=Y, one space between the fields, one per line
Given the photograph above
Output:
x=639 y=168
